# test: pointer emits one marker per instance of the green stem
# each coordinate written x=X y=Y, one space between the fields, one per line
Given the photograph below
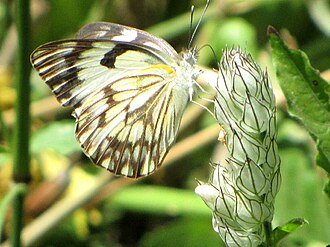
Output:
x=3 y=129
x=268 y=233
x=21 y=159
x=6 y=202
x=17 y=219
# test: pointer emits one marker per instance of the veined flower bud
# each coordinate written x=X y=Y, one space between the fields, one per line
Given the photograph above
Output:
x=241 y=192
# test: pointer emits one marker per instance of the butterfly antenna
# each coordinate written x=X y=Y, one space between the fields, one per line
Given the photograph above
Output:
x=191 y=25
x=212 y=50
x=192 y=35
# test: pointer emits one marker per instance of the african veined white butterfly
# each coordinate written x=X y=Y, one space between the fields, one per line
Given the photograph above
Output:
x=128 y=89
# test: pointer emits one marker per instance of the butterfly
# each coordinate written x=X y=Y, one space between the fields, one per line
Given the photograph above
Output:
x=128 y=89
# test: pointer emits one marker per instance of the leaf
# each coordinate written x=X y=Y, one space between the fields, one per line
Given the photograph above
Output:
x=327 y=188
x=159 y=200
x=300 y=183
x=58 y=136
x=184 y=231
x=282 y=231
x=307 y=95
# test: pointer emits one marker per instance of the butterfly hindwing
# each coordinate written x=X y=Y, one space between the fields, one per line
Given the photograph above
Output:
x=126 y=100
x=131 y=141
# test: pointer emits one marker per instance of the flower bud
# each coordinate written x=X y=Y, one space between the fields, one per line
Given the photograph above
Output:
x=241 y=192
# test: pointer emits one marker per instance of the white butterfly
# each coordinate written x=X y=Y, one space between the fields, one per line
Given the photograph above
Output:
x=128 y=89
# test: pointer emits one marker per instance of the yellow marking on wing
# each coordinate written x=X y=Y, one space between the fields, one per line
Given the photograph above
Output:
x=165 y=67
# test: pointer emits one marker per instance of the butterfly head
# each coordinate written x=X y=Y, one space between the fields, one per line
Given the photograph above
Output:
x=190 y=56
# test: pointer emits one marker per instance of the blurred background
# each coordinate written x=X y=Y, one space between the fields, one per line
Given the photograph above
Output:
x=86 y=206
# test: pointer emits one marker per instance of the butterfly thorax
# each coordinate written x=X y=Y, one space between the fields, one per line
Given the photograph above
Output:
x=188 y=60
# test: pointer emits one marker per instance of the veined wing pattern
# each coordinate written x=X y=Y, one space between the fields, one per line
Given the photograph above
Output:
x=128 y=89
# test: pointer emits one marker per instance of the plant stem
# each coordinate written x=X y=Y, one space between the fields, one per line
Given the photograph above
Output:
x=268 y=233
x=21 y=159
x=17 y=220
x=3 y=129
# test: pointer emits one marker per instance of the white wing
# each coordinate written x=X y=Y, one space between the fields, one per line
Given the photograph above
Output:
x=128 y=102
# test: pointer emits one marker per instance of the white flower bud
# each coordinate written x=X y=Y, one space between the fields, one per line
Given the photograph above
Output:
x=241 y=193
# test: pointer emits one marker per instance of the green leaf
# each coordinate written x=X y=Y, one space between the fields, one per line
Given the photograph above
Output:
x=307 y=95
x=327 y=188
x=301 y=186
x=186 y=231
x=282 y=231
x=159 y=200
x=58 y=136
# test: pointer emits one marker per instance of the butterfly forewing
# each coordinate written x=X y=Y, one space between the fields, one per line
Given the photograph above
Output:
x=126 y=99
x=120 y=33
